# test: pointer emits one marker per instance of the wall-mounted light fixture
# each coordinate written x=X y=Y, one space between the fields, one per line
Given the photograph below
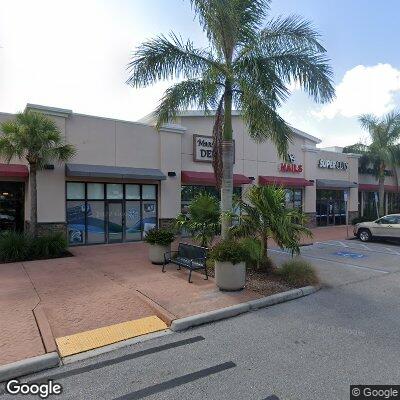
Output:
x=171 y=173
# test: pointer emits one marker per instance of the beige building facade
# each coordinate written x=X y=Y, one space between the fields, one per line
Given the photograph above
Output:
x=127 y=177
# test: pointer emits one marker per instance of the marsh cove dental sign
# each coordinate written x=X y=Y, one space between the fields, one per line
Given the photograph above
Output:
x=202 y=148
x=332 y=164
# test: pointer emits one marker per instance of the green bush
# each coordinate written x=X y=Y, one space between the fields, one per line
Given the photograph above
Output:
x=47 y=246
x=229 y=250
x=163 y=237
x=357 y=220
x=14 y=246
x=298 y=273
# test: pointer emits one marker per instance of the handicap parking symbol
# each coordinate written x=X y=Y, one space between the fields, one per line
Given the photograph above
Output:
x=349 y=254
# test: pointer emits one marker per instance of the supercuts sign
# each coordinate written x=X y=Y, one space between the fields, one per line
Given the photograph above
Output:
x=202 y=148
x=291 y=166
x=332 y=164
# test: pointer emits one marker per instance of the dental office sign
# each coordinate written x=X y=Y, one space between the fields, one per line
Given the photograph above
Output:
x=332 y=164
x=202 y=148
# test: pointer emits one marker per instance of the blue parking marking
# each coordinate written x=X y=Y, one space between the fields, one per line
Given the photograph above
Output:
x=349 y=254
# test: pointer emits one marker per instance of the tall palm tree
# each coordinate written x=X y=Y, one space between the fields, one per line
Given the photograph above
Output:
x=264 y=216
x=246 y=66
x=34 y=137
x=384 y=149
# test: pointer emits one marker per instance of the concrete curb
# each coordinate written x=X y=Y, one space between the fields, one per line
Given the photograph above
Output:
x=227 y=312
x=29 y=366
x=199 y=319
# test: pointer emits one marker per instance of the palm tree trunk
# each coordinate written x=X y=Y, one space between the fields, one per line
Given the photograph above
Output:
x=381 y=196
x=381 y=181
x=227 y=163
x=33 y=193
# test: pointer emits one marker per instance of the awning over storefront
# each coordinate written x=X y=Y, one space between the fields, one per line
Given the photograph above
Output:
x=284 y=181
x=106 y=171
x=208 y=178
x=366 y=187
x=335 y=184
x=14 y=171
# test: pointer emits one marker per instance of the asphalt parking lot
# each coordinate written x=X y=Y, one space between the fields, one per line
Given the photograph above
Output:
x=345 y=261
x=311 y=348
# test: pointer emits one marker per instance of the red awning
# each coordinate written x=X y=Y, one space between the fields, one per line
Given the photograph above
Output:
x=14 y=170
x=208 y=178
x=367 y=187
x=284 y=181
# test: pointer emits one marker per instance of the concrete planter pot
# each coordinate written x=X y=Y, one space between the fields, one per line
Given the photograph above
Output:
x=230 y=276
x=156 y=253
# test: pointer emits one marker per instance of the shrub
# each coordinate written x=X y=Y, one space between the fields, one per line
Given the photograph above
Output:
x=162 y=237
x=229 y=250
x=357 y=220
x=14 y=246
x=51 y=245
x=297 y=272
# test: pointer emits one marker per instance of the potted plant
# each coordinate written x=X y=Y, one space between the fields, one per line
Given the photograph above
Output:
x=159 y=241
x=230 y=264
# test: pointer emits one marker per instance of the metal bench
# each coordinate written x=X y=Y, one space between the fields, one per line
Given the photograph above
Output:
x=187 y=256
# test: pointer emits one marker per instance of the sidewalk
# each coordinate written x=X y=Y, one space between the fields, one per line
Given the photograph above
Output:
x=100 y=286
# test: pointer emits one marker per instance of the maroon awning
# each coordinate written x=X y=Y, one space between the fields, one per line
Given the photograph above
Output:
x=284 y=181
x=14 y=171
x=367 y=187
x=208 y=178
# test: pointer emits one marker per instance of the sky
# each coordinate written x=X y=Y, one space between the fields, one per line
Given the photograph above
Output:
x=73 y=54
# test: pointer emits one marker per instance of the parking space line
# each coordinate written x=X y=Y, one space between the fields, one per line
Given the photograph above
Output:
x=392 y=251
x=332 y=261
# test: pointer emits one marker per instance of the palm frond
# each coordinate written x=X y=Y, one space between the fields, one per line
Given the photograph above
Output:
x=165 y=58
x=262 y=120
x=292 y=32
x=199 y=93
x=229 y=24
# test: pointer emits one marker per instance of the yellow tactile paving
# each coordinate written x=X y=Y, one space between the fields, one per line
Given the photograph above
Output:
x=95 y=338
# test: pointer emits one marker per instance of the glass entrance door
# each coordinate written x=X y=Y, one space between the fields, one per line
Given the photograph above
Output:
x=330 y=207
x=115 y=221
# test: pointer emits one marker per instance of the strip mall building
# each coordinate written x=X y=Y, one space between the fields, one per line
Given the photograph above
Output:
x=126 y=177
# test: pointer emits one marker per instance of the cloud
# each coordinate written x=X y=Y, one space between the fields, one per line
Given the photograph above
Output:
x=364 y=90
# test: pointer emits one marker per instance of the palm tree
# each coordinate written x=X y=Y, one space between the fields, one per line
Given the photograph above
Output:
x=384 y=149
x=202 y=219
x=245 y=66
x=34 y=137
x=265 y=216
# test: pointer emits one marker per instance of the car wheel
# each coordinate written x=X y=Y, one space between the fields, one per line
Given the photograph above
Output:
x=364 y=235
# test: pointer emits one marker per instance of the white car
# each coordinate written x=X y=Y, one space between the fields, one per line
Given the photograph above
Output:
x=387 y=227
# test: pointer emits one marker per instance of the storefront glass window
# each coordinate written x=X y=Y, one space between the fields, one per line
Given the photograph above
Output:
x=189 y=192
x=149 y=192
x=133 y=226
x=149 y=215
x=330 y=207
x=95 y=191
x=75 y=190
x=393 y=200
x=115 y=191
x=132 y=192
x=293 y=198
x=95 y=221
x=76 y=222
x=127 y=212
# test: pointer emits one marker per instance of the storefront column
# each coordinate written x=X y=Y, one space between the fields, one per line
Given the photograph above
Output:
x=170 y=189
